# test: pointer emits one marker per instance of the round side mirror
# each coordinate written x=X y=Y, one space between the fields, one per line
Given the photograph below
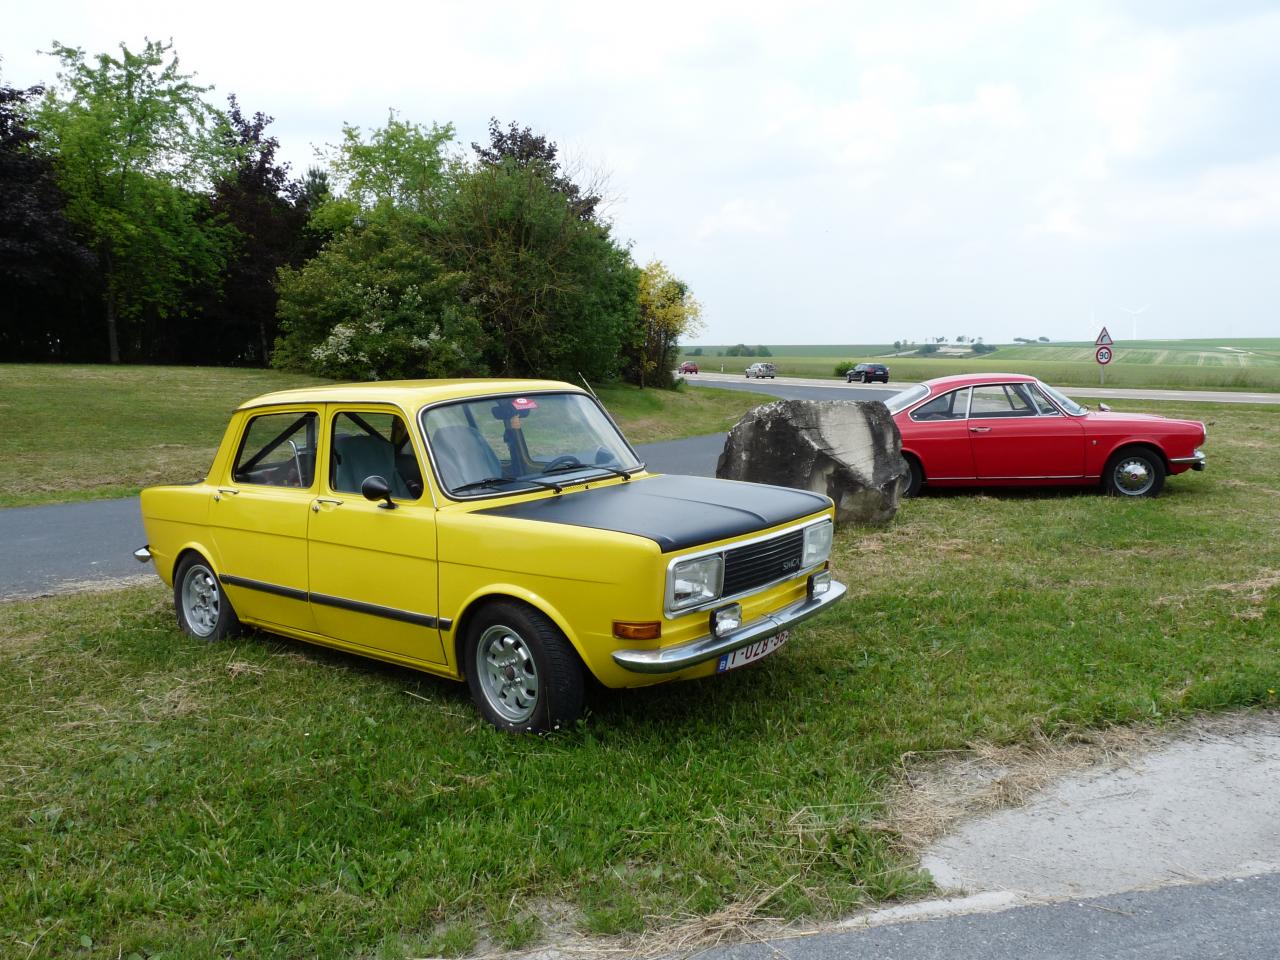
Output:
x=376 y=488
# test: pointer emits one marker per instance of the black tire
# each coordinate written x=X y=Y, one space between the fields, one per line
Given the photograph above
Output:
x=1135 y=472
x=202 y=608
x=538 y=686
x=915 y=477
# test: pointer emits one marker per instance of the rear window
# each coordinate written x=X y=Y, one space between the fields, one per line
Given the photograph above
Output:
x=900 y=401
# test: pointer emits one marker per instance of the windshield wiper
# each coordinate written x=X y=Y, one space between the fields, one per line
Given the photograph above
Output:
x=486 y=482
x=611 y=471
x=494 y=481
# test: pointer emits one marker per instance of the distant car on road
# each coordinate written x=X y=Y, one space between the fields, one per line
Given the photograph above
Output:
x=1008 y=429
x=688 y=367
x=867 y=373
x=761 y=370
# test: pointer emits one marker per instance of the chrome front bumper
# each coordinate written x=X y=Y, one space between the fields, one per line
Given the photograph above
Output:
x=711 y=647
x=1196 y=460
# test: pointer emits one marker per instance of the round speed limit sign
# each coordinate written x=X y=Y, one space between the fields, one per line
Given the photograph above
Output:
x=1103 y=355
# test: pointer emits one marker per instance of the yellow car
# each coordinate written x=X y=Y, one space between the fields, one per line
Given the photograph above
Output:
x=498 y=531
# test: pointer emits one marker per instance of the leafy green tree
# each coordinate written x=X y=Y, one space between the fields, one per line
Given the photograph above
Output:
x=400 y=166
x=269 y=212
x=377 y=304
x=667 y=312
x=555 y=294
x=528 y=150
x=134 y=145
x=763 y=351
x=46 y=273
x=696 y=352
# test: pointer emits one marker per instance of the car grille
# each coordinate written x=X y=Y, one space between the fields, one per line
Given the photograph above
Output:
x=746 y=568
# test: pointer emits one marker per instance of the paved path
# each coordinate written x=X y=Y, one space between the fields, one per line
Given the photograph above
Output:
x=1231 y=920
x=832 y=389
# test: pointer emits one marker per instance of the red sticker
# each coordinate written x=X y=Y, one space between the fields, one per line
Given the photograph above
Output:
x=524 y=403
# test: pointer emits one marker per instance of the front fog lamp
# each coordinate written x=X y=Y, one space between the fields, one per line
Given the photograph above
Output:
x=694 y=582
x=726 y=620
x=819 y=583
x=817 y=543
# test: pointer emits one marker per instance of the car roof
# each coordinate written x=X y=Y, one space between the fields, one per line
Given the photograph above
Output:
x=408 y=394
x=942 y=384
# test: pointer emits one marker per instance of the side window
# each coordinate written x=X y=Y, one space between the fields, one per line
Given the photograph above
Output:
x=373 y=444
x=1000 y=401
x=278 y=450
x=1041 y=402
x=949 y=406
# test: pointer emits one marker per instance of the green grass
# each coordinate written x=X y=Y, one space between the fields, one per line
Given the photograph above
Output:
x=263 y=798
x=1230 y=364
x=91 y=432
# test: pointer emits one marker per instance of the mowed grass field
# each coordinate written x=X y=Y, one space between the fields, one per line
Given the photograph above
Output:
x=1231 y=364
x=261 y=798
x=91 y=432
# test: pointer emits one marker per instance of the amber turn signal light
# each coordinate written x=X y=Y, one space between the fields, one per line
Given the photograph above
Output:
x=637 y=630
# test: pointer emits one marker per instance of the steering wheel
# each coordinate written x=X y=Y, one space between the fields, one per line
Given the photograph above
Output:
x=564 y=460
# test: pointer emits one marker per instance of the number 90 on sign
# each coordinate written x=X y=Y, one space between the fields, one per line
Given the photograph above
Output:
x=1103 y=355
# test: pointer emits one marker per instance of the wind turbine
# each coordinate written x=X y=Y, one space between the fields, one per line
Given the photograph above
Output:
x=1135 y=314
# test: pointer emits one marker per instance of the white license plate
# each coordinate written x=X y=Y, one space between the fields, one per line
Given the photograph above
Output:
x=752 y=652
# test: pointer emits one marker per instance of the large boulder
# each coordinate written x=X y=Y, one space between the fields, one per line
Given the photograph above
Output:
x=848 y=449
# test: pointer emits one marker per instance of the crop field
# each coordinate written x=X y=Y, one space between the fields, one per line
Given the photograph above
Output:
x=1252 y=364
x=263 y=798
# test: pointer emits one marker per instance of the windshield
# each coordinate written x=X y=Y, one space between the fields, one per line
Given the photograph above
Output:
x=502 y=444
x=1066 y=403
x=900 y=401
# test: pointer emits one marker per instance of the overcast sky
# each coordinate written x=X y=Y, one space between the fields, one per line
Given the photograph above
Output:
x=843 y=173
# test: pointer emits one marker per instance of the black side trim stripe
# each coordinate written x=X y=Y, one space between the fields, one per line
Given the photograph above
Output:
x=278 y=590
x=356 y=606
x=373 y=609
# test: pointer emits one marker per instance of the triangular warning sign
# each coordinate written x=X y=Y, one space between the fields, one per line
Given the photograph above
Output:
x=1104 y=339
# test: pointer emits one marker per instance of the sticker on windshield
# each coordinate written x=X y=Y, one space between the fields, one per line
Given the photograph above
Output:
x=524 y=403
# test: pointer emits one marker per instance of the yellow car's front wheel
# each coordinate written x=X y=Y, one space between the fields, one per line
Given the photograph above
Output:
x=523 y=674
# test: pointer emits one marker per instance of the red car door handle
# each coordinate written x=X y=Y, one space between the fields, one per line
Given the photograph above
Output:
x=979 y=429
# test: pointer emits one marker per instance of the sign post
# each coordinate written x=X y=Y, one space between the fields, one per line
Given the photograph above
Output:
x=1103 y=354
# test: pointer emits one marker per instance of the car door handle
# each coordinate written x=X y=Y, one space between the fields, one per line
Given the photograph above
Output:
x=230 y=492
x=979 y=429
x=315 y=504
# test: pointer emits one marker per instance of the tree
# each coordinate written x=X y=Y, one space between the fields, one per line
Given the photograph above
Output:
x=401 y=165
x=376 y=304
x=763 y=351
x=134 y=147
x=668 y=311
x=527 y=150
x=45 y=271
x=1043 y=339
x=269 y=212
x=695 y=352
x=897 y=346
x=555 y=294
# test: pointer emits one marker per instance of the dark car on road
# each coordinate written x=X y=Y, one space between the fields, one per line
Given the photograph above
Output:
x=688 y=367
x=867 y=373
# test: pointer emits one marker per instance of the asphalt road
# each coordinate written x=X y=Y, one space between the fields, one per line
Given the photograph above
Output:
x=64 y=546
x=1230 y=919
x=801 y=388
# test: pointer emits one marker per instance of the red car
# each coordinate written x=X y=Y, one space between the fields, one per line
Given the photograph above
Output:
x=1006 y=429
x=688 y=367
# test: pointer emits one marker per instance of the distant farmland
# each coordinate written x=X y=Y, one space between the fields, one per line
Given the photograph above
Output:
x=1228 y=364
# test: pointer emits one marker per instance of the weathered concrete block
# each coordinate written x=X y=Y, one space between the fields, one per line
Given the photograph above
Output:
x=848 y=449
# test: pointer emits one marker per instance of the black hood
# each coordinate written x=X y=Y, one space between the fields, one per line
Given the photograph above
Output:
x=674 y=512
